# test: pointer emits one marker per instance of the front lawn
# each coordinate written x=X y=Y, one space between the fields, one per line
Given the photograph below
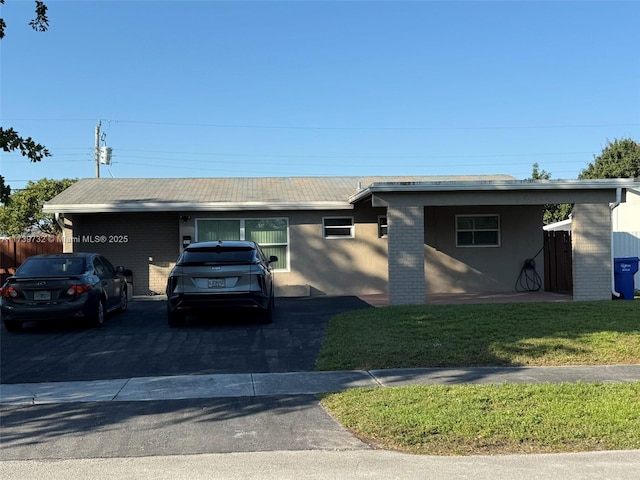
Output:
x=493 y=419
x=488 y=419
x=577 y=333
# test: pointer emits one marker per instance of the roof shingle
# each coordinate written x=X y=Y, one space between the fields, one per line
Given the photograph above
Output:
x=140 y=194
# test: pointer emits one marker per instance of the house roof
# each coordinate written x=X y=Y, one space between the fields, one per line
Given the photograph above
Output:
x=97 y=195
x=509 y=184
x=562 y=225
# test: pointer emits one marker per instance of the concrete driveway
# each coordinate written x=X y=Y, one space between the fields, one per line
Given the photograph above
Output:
x=139 y=343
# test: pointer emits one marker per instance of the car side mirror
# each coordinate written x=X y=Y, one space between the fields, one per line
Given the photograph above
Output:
x=273 y=259
x=128 y=274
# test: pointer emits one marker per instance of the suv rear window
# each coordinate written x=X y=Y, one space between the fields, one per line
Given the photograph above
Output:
x=217 y=255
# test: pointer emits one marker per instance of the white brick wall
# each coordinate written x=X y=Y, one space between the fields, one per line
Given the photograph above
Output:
x=406 y=255
x=591 y=238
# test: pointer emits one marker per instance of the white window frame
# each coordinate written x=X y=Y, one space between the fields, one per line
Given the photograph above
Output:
x=498 y=229
x=351 y=227
x=242 y=234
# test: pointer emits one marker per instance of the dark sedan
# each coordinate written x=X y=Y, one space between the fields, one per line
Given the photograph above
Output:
x=65 y=285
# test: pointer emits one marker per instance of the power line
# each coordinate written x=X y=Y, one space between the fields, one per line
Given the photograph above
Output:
x=343 y=156
x=370 y=165
x=365 y=157
x=320 y=127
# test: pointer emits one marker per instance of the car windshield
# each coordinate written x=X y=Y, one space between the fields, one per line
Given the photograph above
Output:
x=217 y=255
x=51 y=267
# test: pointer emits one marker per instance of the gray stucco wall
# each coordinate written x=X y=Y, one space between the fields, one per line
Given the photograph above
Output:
x=344 y=266
x=319 y=266
x=337 y=266
x=451 y=269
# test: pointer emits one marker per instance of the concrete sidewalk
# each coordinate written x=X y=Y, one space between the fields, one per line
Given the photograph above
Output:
x=296 y=383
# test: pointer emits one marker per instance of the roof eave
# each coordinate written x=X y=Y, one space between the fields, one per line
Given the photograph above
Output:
x=134 y=207
x=495 y=185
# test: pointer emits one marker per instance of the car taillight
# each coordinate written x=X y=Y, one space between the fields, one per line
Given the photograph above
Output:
x=172 y=284
x=7 y=292
x=78 y=289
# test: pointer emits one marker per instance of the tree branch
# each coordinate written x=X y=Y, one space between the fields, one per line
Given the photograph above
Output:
x=10 y=141
x=41 y=22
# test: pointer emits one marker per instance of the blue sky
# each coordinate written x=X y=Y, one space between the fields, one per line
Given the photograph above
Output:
x=319 y=88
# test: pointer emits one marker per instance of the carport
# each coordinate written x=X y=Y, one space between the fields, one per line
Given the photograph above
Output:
x=407 y=202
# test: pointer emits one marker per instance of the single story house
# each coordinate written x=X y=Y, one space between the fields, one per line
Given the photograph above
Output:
x=403 y=236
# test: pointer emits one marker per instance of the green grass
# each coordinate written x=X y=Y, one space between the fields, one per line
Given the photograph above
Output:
x=488 y=419
x=493 y=419
x=578 y=333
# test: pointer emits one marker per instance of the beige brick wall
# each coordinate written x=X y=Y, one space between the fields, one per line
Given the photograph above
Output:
x=591 y=239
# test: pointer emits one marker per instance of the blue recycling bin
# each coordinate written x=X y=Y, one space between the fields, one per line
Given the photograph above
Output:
x=624 y=270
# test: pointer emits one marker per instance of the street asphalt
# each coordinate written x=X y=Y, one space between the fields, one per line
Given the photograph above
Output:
x=199 y=423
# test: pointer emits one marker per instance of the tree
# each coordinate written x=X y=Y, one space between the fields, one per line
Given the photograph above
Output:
x=539 y=175
x=40 y=23
x=5 y=191
x=552 y=212
x=9 y=138
x=23 y=213
x=619 y=159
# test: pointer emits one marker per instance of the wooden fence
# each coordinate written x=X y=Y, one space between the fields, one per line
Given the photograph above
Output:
x=14 y=251
x=558 y=262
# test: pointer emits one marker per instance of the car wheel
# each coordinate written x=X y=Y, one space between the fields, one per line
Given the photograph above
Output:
x=13 y=325
x=124 y=299
x=98 y=315
x=175 y=319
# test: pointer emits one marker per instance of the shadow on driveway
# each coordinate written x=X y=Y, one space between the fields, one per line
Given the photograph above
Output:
x=139 y=343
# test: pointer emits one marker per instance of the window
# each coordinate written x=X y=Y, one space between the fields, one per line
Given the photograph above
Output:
x=477 y=230
x=214 y=230
x=107 y=265
x=337 y=227
x=225 y=255
x=272 y=234
x=99 y=268
x=382 y=227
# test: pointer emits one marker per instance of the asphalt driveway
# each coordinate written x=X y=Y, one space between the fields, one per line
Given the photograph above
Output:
x=139 y=343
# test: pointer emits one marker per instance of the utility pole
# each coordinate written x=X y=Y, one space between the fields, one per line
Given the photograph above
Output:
x=97 y=152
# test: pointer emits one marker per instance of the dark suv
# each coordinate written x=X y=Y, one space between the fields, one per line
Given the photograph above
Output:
x=220 y=275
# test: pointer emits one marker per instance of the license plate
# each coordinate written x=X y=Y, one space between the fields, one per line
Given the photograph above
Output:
x=42 y=295
x=216 y=283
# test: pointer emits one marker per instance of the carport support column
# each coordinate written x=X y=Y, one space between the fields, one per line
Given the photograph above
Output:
x=591 y=241
x=406 y=254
